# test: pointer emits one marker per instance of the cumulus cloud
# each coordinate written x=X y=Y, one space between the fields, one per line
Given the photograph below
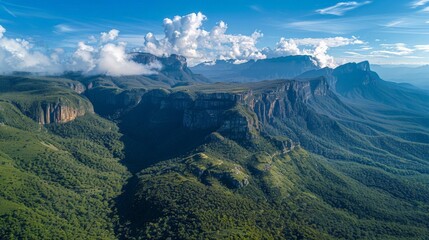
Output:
x=109 y=36
x=342 y=7
x=109 y=58
x=102 y=56
x=185 y=36
x=19 y=55
x=318 y=48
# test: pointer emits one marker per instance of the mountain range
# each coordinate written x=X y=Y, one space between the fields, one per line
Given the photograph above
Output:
x=270 y=149
x=416 y=75
x=266 y=69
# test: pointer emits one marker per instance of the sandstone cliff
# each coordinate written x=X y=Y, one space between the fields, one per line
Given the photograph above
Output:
x=58 y=113
x=235 y=114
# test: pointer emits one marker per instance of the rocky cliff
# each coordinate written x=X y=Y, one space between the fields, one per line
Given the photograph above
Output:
x=112 y=102
x=174 y=68
x=235 y=114
x=77 y=87
x=58 y=113
x=46 y=99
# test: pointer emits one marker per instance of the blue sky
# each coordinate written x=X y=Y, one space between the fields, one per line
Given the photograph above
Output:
x=382 y=31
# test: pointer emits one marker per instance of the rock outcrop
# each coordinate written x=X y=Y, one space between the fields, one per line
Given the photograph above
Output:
x=110 y=102
x=58 y=113
x=77 y=87
x=174 y=68
x=236 y=115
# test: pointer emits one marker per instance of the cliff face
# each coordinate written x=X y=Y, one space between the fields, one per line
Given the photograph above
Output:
x=236 y=115
x=77 y=87
x=108 y=102
x=352 y=77
x=58 y=113
x=286 y=99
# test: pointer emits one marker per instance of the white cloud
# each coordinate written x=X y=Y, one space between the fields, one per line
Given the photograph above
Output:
x=110 y=36
x=394 y=23
x=18 y=55
x=109 y=58
x=424 y=48
x=342 y=7
x=2 y=31
x=287 y=47
x=83 y=59
x=395 y=49
x=9 y=11
x=114 y=61
x=319 y=48
x=63 y=28
x=256 y=8
x=185 y=36
x=99 y=57
x=419 y=3
x=330 y=42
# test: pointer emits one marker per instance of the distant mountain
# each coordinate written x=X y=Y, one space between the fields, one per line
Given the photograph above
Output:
x=174 y=69
x=418 y=76
x=111 y=94
x=356 y=81
x=266 y=69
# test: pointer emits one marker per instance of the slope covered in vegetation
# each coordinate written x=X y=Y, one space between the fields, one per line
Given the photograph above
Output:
x=57 y=181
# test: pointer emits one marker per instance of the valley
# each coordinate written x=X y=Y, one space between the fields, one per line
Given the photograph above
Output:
x=316 y=153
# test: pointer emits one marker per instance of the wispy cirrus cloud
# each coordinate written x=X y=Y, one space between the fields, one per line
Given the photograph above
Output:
x=344 y=25
x=8 y=11
x=64 y=28
x=424 y=48
x=419 y=3
x=395 y=49
x=256 y=8
x=394 y=23
x=341 y=8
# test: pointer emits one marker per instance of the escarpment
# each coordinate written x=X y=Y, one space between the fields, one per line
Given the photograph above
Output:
x=46 y=100
x=236 y=114
x=58 y=113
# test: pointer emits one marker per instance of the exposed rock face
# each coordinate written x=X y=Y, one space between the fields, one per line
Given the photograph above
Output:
x=173 y=62
x=351 y=67
x=110 y=103
x=58 y=113
x=237 y=115
x=174 y=67
x=238 y=127
x=352 y=77
x=286 y=99
x=77 y=87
